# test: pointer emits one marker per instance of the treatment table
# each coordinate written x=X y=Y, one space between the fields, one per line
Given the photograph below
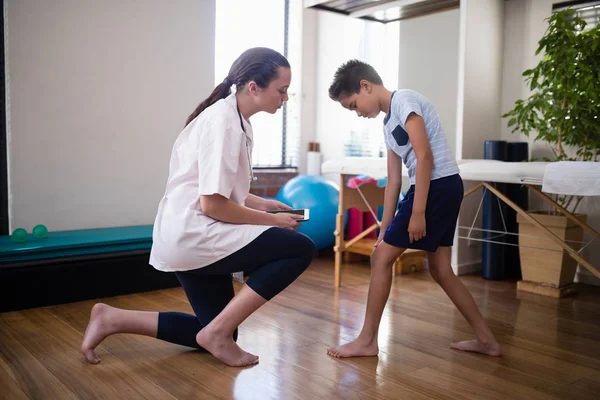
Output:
x=574 y=178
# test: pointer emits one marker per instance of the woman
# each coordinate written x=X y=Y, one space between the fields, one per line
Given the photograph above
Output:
x=208 y=226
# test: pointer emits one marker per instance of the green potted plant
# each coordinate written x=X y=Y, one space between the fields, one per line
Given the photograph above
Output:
x=562 y=110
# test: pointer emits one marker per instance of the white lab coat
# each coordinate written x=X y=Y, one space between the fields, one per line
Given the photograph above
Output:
x=211 y=155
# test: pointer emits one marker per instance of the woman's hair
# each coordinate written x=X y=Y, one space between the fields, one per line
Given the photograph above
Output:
x=258 y=64
x=346 y=80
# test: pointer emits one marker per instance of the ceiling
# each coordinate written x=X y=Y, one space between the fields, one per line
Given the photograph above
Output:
x=383 y=11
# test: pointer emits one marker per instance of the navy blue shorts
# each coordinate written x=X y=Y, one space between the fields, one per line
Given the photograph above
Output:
x=441 y=214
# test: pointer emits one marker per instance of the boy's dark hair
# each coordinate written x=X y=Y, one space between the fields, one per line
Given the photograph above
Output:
x=346 y=80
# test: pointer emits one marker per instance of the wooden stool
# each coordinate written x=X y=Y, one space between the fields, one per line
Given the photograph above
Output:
x=410 y=261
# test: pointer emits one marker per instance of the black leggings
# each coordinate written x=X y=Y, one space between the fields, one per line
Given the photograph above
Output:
x=273 y=260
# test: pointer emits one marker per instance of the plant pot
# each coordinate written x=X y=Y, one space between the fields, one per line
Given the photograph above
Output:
x=542 y=260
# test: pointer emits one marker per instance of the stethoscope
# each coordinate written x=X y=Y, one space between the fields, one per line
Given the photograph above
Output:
x=252 y=177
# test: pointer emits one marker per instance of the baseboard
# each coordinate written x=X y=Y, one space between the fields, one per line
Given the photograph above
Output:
x=468 y=268
x=584 y=276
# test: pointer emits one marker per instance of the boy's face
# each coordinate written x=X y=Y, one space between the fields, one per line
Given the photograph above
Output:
x=365 y=103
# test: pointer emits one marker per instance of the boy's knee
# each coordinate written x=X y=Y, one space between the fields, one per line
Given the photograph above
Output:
x=380 y=260
x=440 y=273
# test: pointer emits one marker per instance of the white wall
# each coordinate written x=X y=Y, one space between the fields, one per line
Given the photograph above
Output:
x=308 y=125
x=516 y=52
x=524 y=26
x=339 y=39
x=425 y=52
x=336 y=42
x=479 y=95
x=98 y=92
x=482 y=71
x=428 y=63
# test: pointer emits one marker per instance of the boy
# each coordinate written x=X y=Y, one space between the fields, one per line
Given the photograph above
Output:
x=426 y=217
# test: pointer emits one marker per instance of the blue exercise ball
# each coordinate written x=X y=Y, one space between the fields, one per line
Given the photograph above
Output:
x=322 y=198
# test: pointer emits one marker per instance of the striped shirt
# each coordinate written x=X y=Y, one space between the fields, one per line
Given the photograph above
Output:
x=404 y=102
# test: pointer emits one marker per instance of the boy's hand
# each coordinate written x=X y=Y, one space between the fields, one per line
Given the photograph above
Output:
x=380 y=238
x=416 y=227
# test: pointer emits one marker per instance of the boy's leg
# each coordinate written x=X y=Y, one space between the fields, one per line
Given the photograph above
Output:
x=365 y=344
x=441 y=271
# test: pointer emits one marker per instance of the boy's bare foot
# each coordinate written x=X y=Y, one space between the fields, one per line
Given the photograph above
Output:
x=100 y=326
x=357 y=348
x=224 y=348
x=491 y=349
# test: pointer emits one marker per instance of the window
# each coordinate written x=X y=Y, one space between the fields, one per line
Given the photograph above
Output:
x=277 y=24
x=378 y=46
x=589 y=11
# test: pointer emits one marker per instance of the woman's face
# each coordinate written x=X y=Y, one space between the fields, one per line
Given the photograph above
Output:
x=271 y=98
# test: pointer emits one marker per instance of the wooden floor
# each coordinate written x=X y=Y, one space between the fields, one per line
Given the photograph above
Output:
x=551 y=347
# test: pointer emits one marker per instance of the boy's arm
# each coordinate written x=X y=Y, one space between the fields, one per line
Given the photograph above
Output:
x=415 y=127
x=392 y=191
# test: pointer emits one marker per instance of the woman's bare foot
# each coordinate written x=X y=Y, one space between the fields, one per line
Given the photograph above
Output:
x=100 y=326
x=224 y=348
x=357 y=348
x=491 y=349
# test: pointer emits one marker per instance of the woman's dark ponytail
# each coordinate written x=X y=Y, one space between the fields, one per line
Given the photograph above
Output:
x=259 y=64
x=222 y=90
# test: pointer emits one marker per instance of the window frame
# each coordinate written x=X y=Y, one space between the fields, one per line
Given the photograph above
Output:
x=284 y=128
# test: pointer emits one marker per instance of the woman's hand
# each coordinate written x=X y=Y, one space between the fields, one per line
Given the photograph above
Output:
x=258 y=203
x=274 y=205
x=287 y=221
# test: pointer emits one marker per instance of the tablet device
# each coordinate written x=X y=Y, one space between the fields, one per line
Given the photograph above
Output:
x=305 y=212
